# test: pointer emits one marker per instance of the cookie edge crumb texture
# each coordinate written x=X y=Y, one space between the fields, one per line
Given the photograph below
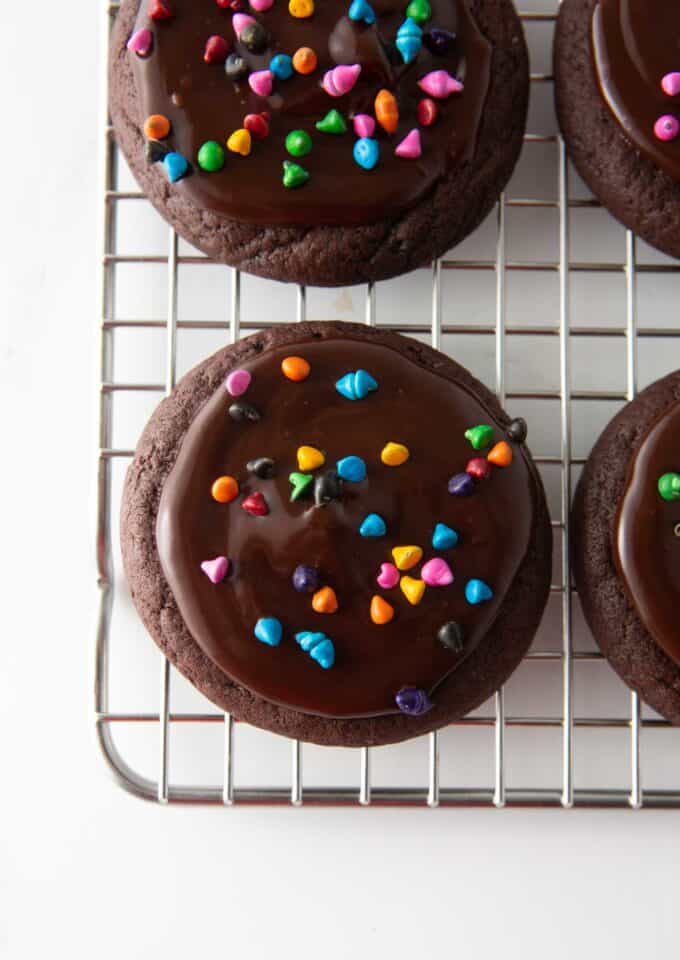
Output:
x=481 y=674
x=336 y=256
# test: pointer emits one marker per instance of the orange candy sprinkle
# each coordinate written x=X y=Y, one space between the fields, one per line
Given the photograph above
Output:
x=295 y=368
x=381 y=611
x=325 y=601
x=500 y=455
x=156 y=127
x=304 y=60
x=224 y=489
x=386 y=111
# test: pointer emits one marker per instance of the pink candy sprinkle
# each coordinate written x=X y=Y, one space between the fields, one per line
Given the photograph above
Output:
x=261 y=5
x=237 y=382
x=437 y=573
x=240 y=21
x=388 y=576
x=440 y=84
x=340 y=80
x=666 y=128
x=364 y=126
x=671 y=84
x=410 y=147
x=141 y=42
x=215 y=570
x=260 y=82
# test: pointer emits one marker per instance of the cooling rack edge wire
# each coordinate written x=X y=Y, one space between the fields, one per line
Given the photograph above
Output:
x=497 y=793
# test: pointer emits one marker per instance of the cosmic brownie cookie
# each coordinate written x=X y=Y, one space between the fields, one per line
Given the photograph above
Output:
x=617 y=71
x=627 y=544
x=337 y=534
x=320 y=142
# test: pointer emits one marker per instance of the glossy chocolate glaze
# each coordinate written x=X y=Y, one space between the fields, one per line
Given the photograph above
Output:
x=646 y=546
x=412 y=405
x=635 y=44
x=211 y=106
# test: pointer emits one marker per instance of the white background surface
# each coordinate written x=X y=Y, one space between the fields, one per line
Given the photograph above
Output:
x=86 y=871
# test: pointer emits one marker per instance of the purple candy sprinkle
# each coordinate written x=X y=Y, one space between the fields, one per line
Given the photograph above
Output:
x=413 y=702
x=462 y=485
x=306 y=579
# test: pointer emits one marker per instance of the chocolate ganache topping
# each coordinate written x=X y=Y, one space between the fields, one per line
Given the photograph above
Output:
x=636 y=51
x=203 y=104
x=359 y=596
x=647 y=532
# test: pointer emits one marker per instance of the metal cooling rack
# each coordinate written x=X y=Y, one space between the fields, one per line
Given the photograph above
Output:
x=503 y=786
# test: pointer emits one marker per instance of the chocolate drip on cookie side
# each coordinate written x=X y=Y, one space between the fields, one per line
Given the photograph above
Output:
x=203 y=104
x=635 y=45
x=412 y=406
x=647 y=535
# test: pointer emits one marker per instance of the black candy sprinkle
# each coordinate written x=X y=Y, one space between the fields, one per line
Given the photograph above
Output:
x=327 y=487
x=263 y=467
x=155 y=151
x=243 y=411
x=517 y=430
x=439 y=42
x=253 y=37
x=451 y=636
x=235 y=67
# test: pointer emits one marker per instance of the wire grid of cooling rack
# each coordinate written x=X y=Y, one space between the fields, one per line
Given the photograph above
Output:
x=563 y=722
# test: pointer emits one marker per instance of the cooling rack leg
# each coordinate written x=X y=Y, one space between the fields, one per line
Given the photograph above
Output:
x=369 y=316
x=433 y=784
x=228 y=779
x=301 y=312
x=365 y=782
x=296 y=779
x=235 y=311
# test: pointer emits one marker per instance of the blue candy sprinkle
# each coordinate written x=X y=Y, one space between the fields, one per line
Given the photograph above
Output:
x=444 y=537
x=366 y=152
x=356 y=385
x=364 y=384
x=462 y=485
x=281 y=66
x=352 y=469
x=476 y=591
x=409 y=39
x=176 y=166
x=373 y=526
x=361 y=10
x=269 y=630
x=319 y=647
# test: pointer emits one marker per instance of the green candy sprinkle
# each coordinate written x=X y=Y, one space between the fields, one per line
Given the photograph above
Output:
x=419 y=10
x=211 y=156
x=294 y=175
x=302 y=484
x=480 y=436
x=333 y=122
x=669 y=486
x=298 y=143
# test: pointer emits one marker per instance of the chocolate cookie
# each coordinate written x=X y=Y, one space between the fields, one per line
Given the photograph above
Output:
x=336 y=534
x=617 y=73
x=350 y=145
x=626 y=557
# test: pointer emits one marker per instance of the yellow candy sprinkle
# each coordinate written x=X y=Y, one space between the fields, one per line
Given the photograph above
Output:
x=394 y=454
x=309 y=458
x=301 y=8
x=412 y=589
x=406 y=557
x=240 y=142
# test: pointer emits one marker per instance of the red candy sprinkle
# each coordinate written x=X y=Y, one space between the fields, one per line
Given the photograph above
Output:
x=256 y=505
x=216 y=50
x=161 y=10
x=257 y=126
x=428 y=111
x=479 y=468
x=235 y=5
